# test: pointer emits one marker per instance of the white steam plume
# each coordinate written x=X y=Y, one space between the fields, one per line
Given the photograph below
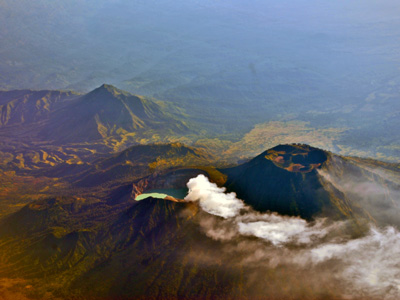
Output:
x=368 y=267
x=268 y=226
x=212 y=198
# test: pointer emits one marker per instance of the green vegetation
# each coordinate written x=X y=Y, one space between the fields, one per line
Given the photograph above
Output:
x=162 y=193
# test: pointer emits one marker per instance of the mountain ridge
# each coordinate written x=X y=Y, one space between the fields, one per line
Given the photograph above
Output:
x=107 y=111
x=45 y=128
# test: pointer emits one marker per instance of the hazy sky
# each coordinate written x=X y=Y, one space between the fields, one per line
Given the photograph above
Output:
x=329 y=63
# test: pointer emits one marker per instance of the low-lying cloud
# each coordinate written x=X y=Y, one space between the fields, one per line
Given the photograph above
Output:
x=281 y=230
x=376 y=190
x=271 y=227
x=367 y=267
x=371 y=263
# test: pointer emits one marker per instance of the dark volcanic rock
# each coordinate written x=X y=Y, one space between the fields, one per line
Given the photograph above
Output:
x=283 y=179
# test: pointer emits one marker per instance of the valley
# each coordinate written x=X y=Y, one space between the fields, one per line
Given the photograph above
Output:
x=71 y=207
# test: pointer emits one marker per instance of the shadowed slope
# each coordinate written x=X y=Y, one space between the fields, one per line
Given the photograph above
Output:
x=107 y=111
x=284 y=179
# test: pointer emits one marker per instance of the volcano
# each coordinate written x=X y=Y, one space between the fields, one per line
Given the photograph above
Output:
x=162 y=249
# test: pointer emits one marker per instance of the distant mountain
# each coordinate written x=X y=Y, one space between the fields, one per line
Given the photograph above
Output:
x=106 y=116
x=106 y=112
x=23 y=107
x=42 y=129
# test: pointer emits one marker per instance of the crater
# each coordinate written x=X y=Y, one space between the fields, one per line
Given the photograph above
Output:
x=296 y=158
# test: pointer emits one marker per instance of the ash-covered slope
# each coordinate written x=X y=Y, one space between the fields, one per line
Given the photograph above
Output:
x=370 y=187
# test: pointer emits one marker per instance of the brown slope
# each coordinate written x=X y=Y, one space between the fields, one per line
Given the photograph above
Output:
x=23 y=107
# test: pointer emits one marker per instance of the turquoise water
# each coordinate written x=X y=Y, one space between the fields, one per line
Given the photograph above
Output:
x=162 y=193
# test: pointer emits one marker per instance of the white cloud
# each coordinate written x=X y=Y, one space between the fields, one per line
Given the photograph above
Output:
x=280 y=230
x=370 y=263
x=367 y=266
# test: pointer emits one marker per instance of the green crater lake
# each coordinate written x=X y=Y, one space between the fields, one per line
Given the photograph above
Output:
x=162 y=193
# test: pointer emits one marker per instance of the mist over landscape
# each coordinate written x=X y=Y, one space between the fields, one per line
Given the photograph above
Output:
x=221 y=149
x=331 y=65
